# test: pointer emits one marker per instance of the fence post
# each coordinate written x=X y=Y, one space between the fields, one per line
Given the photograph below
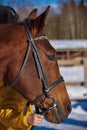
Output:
x=85 y=71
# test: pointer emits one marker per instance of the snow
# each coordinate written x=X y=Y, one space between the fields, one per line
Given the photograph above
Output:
x=77 y=92
x=60 y=44
x=77 y=120
x=73 y=74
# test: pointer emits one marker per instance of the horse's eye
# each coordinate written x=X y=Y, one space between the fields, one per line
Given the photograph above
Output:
x=51 y=57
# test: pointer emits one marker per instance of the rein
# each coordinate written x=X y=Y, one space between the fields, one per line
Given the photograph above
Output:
x=54 y=106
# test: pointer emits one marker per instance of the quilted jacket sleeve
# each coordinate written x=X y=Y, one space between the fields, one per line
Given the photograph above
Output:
x=12 y=106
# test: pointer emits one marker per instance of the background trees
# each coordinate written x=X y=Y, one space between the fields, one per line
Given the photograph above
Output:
x=71 y=23
x=65 y=21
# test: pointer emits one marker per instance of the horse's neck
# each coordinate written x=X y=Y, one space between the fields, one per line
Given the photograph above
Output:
x=10 y=45
x=5 y=53
x=5 y=49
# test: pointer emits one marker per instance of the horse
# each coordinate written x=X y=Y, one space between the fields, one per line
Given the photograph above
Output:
x=28 y=64
x=8 y=14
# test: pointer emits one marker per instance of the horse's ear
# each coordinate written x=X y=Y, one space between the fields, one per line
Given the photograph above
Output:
x=33 y=14
x=40 y=21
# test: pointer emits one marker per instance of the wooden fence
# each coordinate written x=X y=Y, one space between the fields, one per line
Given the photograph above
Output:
x=75 y=62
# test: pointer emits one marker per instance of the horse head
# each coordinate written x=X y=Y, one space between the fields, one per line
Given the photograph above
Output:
x=32 y=68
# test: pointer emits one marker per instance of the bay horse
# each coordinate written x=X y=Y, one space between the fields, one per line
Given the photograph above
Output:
x=28 y=64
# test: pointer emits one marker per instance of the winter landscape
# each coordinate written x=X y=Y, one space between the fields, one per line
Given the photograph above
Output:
x=70 y=15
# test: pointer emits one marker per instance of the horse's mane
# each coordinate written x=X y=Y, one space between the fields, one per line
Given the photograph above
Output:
x=8 y=14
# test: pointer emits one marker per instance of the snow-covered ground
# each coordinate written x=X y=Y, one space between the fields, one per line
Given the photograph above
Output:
x=59 y=44
x=77 y=119
x=72 y=74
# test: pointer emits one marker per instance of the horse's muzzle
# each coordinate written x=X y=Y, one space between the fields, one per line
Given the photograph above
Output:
x=55 y=113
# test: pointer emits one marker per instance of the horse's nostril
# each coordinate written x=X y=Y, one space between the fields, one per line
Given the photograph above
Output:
x=69 y=108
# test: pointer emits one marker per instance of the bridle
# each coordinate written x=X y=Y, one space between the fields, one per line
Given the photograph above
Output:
x=54 y=106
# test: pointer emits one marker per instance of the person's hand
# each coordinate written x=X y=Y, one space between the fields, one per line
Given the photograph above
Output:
x=34 y=119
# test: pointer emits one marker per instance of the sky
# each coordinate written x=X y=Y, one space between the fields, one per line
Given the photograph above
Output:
x=32 y=2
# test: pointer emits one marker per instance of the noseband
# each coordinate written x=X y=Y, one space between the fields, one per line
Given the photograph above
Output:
x=54 y=105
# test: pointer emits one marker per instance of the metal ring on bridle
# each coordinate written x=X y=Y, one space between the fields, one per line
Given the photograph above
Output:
x=54 y=101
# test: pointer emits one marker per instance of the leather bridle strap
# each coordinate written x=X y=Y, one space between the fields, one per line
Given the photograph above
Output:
x=40 y=68
x=53 y=85
x=42 y=75
x=41 y=71
x=21 y=68
x=29 y=41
